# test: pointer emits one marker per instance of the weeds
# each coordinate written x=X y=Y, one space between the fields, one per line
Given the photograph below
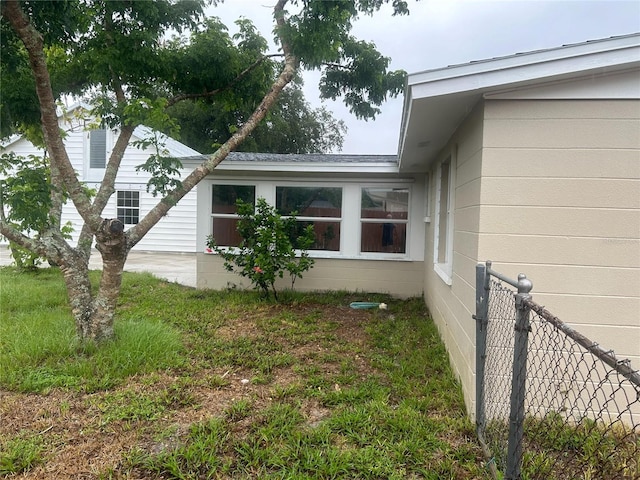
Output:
x=333 y=392
x=20 y=453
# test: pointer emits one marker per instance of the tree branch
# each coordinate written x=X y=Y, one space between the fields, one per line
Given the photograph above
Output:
x=34 y=44
x=185 y=96
x=291 y=63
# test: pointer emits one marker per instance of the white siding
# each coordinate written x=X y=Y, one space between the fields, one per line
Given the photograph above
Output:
x=176 y=232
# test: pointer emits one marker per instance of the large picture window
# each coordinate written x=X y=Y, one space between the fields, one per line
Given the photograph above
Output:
x=224 y=212
x=384 y=214
x=128 y=206
x=317 y=206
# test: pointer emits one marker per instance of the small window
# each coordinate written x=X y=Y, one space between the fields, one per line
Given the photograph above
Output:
x=98 y=148
x=128 y=205
x=384 y=214
x=317 y=206
x=443 y=231
x=224 y=212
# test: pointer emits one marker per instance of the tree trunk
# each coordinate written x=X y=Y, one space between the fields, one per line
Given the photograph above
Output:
x=76 y=278
x=94 y=316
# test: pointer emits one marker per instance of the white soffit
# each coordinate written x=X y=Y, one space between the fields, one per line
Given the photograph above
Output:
x=437 y=101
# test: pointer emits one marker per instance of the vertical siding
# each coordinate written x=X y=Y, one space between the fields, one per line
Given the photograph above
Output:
x=561 y=202
x=452 y=306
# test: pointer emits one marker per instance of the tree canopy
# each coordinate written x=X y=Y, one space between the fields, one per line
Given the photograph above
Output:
x=291 y=126
x=116 y=54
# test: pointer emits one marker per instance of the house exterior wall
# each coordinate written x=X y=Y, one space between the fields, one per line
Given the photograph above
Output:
x=398 y=278
x=561 y=202
x=549 y=188
x=176 y=232
x=451 y=306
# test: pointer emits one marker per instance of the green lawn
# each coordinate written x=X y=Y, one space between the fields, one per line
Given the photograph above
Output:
x=202 y=384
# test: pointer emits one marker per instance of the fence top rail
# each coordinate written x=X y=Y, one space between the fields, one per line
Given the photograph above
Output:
x=523 y=284
x=607 y=356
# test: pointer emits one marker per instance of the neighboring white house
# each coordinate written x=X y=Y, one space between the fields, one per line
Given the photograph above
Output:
x=89 y=149
x=531 y=161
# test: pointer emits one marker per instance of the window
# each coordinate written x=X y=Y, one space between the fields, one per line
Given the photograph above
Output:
x=317 y=206
x=128 y=206
x=98 y=148
x=224 y=212
x=384 y=214
x=443 y=225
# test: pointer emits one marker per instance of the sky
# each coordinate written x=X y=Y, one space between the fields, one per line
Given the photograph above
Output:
x=438 y=33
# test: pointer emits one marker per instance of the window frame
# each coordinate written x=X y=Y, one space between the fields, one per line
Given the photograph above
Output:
x=124 y=216
x=96 y=173
x=235 y=216
x=350 y=224
x=444 y=268
x=305 y=218
x=381 y=221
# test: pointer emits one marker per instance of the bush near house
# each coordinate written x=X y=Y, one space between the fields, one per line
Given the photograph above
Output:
x=271 y=245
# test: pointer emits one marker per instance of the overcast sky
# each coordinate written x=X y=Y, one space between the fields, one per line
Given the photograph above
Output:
x=438 y=33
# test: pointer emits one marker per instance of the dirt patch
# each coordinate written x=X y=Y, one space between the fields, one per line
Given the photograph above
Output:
x=83 y=443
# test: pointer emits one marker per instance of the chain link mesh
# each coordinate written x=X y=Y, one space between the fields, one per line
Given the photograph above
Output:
x=581 y=406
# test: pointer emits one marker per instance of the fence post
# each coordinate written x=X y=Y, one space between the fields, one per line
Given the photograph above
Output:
x=518 y=380
x=482 y=308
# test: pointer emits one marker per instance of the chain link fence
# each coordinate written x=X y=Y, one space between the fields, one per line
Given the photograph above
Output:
x=551 y=404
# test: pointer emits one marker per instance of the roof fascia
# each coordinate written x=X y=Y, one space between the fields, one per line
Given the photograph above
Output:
x=524 y=68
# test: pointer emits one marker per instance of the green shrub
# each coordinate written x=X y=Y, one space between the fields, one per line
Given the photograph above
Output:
x=271 y=245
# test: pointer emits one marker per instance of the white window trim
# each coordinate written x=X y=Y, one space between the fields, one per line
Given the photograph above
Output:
x=427 y=200
x=96 y=174
x=385 y=255
x=350 y=222
x=212 y=216
x=444 y=269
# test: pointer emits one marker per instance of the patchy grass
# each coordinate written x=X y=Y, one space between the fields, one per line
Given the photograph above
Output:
x=203 y=384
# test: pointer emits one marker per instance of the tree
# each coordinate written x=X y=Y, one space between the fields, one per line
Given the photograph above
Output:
x=291 y=126
x=113 y=52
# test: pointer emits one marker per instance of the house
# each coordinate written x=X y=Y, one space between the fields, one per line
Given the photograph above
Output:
x=89 y=148
x=530 y=160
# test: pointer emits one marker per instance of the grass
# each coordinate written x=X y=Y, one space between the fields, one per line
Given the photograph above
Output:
x=201 y=384
x=39 y=351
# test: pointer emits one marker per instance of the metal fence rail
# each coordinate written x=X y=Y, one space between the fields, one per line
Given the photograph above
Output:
x=550 y=402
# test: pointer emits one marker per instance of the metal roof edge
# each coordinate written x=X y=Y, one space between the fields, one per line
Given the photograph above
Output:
x=564 y=52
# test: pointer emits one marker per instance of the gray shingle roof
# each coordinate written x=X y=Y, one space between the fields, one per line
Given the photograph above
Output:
x=304 y=158
x=310 y=158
